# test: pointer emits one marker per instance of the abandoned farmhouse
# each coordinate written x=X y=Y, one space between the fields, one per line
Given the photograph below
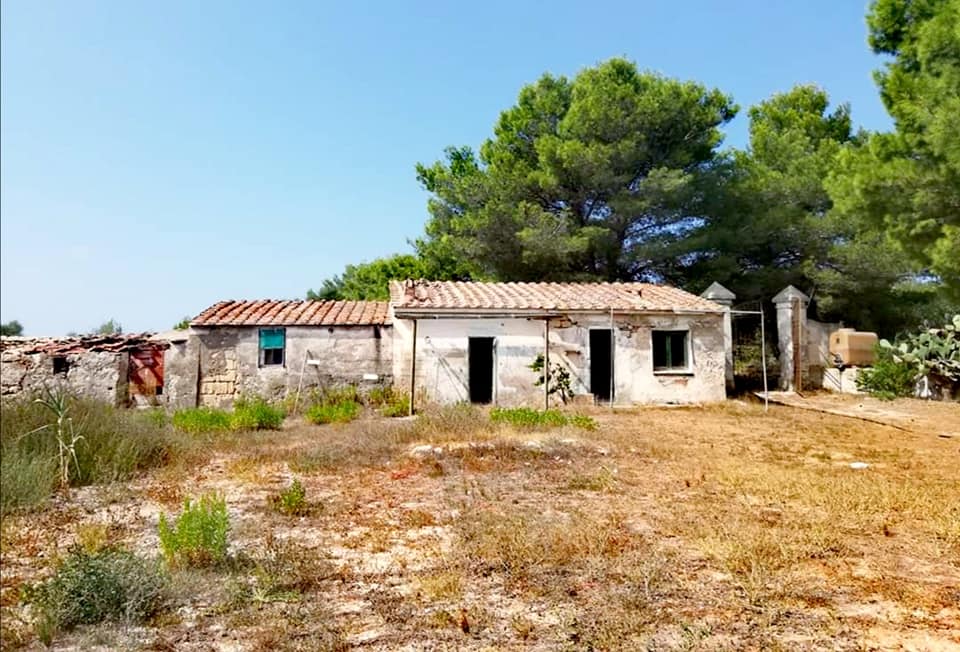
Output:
x=443 y=342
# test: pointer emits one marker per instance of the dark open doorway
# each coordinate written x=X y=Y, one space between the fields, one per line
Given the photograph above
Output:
x=601 y=363
x=480 y=363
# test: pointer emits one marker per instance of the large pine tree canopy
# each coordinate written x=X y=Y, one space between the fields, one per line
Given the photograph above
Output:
x=620 y=174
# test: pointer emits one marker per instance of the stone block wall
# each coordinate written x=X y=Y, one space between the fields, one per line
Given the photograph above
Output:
x=100 y=376
x=227 y=360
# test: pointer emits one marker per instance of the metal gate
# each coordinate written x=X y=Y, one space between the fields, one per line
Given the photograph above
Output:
x=753 y=351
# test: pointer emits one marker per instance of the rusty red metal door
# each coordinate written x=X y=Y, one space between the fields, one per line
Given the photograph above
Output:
x=145 y=373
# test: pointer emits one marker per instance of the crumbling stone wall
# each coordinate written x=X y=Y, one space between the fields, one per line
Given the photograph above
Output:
x=180 y=369
x=96 y=375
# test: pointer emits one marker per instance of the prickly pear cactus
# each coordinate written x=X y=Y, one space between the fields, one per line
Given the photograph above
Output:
x=934 y=354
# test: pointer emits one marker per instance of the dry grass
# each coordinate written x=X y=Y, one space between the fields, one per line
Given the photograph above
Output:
x=700 y=528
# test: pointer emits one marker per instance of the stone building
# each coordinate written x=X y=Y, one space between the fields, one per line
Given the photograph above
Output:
x=625 y=343
x=275 y=348
x=116 y=369
x=620 y=343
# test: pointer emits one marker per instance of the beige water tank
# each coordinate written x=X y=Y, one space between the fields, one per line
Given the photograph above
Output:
x=854 y=348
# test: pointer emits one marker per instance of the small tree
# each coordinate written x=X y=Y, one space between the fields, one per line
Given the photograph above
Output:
x=11 y=329
x=109 y=327
x=559 y=379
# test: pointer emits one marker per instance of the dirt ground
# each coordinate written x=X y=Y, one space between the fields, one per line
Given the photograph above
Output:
x=713 y=528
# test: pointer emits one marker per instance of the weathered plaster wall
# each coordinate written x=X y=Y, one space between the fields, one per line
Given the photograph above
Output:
x=96 y=375
x=818 y=359
x=180 y=373
x=229 y=360
x=442 y=365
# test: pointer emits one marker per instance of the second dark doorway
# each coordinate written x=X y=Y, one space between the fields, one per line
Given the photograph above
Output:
x=480 y=364
x=601 y=364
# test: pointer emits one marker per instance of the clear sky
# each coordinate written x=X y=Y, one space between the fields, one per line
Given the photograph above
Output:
x=158 y=157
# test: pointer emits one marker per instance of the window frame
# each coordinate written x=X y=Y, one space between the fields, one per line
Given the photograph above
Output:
x=687 y=368
x=61 y=365
x=262 y=351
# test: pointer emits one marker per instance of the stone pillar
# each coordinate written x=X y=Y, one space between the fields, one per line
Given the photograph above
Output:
x=721 y=295
x=789 y=298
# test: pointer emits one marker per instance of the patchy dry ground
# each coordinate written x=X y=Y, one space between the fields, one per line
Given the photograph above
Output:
x=701 y=528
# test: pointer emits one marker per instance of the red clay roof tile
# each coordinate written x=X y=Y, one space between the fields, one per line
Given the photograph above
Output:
x=294 y=313
x=455 y=296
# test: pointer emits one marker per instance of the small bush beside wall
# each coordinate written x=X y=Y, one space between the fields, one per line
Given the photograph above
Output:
x=256 y=414
x=248 y=414
x=389 y=401
x=333 y=413
x=887 y=379
x=201 y=420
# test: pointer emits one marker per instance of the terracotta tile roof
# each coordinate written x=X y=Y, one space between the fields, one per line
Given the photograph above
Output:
x=518 y=297
x=294 y=313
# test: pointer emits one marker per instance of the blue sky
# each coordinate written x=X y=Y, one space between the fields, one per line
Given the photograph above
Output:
x=158 y=157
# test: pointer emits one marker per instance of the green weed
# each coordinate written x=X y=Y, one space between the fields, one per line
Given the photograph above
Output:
x=333 y=413
x=256 y=414
x=292 y=501
x=198 y=537
x=201 y=420
x=523 y=417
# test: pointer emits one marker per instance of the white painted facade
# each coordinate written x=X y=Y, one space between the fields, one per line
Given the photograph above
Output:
x=442 y=369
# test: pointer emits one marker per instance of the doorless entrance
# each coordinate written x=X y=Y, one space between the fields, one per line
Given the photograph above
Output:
x=480 y=363
x=601 y=363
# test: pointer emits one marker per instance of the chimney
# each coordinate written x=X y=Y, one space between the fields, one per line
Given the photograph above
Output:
x=420 y=290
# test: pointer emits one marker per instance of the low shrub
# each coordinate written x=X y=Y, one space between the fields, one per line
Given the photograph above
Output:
x=91 y=587
x=380 y=396
x=399 y=406
x=361 y=444
x=25 y=481
x=292 y=501
x=523 y=417
x=284 y=572
x=198 y=537
x=112 y=445
x=338 y=394
x=201 y=420
x=333 y=413
x=888 y=378
x=583 y=422
x=248 y=414
x=458 y=422
x=256 y=414
x=389 y=401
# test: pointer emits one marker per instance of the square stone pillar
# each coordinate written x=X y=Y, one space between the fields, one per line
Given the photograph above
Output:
x=721 y=295
x=791 y=299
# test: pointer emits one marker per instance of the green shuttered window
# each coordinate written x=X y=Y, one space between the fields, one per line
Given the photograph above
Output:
x=272 y=344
